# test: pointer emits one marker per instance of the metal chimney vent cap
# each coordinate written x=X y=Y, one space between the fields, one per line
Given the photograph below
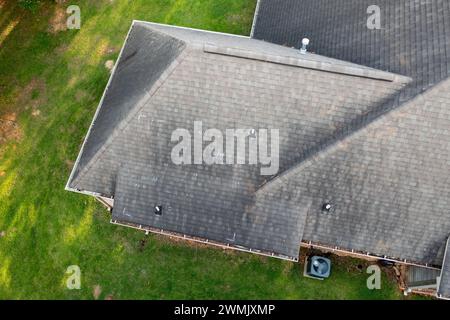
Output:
x=305 y=43
x=158 y=210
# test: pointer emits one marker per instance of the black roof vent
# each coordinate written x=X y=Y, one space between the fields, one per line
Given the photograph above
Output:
x=327 y=207
x=158 y=210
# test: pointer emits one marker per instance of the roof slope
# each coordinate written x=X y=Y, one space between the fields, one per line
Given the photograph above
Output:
x=388 y=183
x=386 y=175
x=443 y=290
x=143 y=59
x=413 y=41
x=227 y=82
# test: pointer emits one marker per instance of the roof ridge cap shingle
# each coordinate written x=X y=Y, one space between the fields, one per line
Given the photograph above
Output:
x=340 y=66
x=332 y=65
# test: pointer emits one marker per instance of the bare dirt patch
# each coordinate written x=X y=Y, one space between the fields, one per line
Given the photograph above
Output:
x=61 y=49
x=109 y=64
x=96 y=292
x=9 y=128
x=83 y=96
x=58 y=21
x=237 y=18
x=142 y=243
x=32 y=96
x=69 y=164
x=350 y=264
x=111 y=50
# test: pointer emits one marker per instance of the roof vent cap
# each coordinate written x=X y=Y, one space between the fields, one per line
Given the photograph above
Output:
x=305 y=43
x=327 y=207
x=158 y=210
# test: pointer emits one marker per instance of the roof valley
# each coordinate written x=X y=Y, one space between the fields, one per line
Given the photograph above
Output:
x=392 y=103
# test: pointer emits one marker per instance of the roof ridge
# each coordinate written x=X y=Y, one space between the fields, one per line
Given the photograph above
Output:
x=125 y=122
x=393 y=103
x=338 y=66
x=288 y=56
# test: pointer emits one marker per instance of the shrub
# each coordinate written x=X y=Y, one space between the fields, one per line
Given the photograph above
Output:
x=29 y=4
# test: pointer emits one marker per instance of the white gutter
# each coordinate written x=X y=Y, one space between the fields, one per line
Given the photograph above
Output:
x=200 y=240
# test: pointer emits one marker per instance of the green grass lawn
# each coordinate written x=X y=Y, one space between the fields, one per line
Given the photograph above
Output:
x=50 y=85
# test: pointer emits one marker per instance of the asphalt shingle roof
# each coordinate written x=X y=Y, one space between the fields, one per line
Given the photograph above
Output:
x=387 y=174
x=144 y=59
x=413 y=40
x=226 y=82
x=388 y=183
x=373 y=143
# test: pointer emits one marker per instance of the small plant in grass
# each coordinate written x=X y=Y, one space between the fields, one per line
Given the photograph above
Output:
x=34 y=94
x=29 y=4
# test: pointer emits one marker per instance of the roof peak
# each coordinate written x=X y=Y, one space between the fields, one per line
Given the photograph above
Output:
x=302 y=62
x=254 y=49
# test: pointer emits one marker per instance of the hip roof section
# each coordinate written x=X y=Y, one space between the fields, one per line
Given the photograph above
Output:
x=387 y=183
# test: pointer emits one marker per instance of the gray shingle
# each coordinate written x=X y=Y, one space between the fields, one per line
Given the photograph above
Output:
x=143 y=60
